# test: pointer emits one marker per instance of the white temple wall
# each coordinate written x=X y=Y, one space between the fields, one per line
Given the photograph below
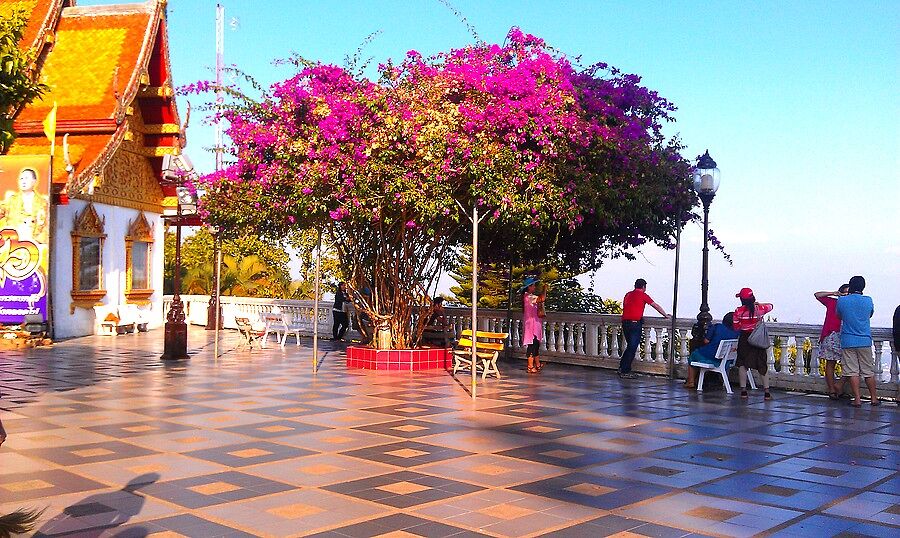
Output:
x=81 y=322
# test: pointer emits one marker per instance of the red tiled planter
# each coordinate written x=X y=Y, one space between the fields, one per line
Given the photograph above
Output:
x=398 y=360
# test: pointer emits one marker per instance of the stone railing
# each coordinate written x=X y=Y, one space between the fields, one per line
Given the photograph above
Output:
x=196 y=310
x=596 y=340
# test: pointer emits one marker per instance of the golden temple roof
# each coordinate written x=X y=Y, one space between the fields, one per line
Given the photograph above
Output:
x=103 y=66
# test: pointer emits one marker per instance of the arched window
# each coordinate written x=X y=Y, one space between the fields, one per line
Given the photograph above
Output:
x=138 y=256
x=87 y=258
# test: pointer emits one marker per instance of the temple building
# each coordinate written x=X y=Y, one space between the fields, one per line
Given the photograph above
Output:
x=116 y=157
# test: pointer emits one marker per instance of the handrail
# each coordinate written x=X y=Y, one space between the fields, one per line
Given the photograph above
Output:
x=596 y=339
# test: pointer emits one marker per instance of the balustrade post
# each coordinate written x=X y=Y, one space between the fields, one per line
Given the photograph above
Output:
x=683 y=346
x=615 y=342
x=645 y=355
x=770 y=356
x=895 y=361
x=814 y=364
x=604 y=340
x=785 y=355
x=561 y=337
x=878 y=365
x=590 y=339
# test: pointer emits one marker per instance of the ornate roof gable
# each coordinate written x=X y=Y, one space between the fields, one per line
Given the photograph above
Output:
x=89 y=224
x=140 y=229
x=106 y=63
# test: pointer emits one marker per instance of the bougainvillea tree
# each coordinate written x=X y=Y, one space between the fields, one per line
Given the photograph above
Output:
x=568 y=165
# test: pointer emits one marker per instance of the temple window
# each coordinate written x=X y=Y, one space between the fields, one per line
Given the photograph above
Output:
x=138 y=251
x=87 y=258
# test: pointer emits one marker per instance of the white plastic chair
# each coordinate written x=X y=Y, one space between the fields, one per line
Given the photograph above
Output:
x=273 y=324
x=727 y=354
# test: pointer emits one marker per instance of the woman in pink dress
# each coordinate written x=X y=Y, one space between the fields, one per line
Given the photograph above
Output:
x=532 y=328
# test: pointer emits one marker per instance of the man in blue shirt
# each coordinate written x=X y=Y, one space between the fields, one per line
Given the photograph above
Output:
x=855 y=310
x=707 y=353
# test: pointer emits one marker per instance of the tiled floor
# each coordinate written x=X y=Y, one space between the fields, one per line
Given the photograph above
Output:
x=112 y=442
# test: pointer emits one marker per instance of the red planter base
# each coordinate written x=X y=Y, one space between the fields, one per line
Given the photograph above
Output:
x=398 y=360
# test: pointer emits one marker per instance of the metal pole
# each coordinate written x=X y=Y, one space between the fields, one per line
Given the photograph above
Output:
x=218 y=283
x=220 y=55
x=675 y=299
x=704 y=317
x=316 y=305
x=509 y=300
x=474 y=294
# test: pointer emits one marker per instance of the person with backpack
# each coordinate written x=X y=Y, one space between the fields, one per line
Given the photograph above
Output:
x=746 y=318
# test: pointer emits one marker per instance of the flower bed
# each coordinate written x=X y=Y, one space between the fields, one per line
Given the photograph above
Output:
x=399 y=360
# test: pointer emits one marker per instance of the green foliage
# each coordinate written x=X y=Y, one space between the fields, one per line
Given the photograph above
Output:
x=565 y=292
x=252 y=266
x=18 y=86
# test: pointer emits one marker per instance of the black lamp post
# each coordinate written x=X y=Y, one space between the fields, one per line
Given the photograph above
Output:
x=706 y=183
x=175 y=343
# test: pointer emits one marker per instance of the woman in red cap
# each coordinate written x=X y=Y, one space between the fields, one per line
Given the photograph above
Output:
x=746 y=318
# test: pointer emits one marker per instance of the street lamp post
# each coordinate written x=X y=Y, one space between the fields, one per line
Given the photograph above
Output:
x=175 y=342
x=706 y=183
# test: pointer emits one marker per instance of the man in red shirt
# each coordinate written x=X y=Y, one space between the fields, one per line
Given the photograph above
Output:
x=633 y=324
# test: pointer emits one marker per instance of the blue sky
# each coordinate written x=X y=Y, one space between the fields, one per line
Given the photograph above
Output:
x=796 y=101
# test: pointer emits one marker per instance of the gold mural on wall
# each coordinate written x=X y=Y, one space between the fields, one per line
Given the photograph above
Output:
x=128 y=179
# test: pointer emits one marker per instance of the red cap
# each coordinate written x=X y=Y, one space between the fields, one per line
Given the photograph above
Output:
x=745 y=293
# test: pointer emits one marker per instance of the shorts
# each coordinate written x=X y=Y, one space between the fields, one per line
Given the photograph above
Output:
x=830 y=347
x=858 y=361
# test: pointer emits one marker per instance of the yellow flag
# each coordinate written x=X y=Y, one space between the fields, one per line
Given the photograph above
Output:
x=50 y=126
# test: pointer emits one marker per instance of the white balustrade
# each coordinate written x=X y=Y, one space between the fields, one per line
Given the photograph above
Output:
x=595 y=339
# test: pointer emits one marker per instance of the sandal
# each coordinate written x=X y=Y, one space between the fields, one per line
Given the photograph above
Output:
x=540 y=366
x=767 y=396
x=690 y=387
x=876 y=403
x=744 y=394
x=855 y=404
x=531 y=370
x=834 y=396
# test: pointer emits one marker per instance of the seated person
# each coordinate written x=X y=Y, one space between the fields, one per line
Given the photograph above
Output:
x=707 y=353
x=437 y=330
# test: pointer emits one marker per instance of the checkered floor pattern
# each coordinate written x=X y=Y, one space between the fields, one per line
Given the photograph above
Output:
x=113 y=442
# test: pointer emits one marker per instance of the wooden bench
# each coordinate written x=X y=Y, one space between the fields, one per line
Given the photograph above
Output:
x=488 y=346
x=726 y=354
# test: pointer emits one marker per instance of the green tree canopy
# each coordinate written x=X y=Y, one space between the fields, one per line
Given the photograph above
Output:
x=18 y=84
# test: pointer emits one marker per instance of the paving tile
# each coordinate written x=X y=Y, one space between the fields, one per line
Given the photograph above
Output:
x=711 y=515
x=784 y=492
x=403 y=489
x=209 y=490
x=592 y=490
x=17 y=487
x=826 y=472
x=662 y=472
x=871 y=506
x=406 y=453
x=88 y=453
x=822 y=526
x=245 y=454
x=116 y=443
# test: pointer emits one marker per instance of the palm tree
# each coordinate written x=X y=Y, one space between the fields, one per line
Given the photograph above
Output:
x=245 y=277
x=198 y=280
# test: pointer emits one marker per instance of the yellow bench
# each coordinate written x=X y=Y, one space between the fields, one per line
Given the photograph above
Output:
x=488 y=346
